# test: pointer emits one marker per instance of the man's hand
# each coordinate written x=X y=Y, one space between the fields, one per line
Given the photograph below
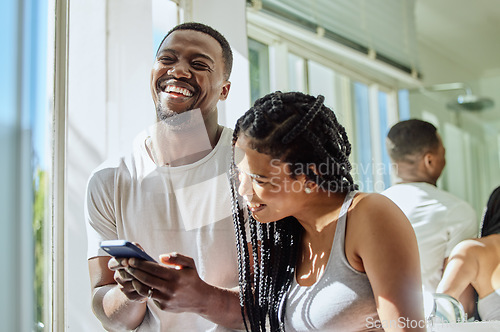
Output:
x=175 y=284
x=175 y=287
x=126 y=281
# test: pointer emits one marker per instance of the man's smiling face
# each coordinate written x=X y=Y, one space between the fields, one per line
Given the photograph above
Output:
x=188 y=73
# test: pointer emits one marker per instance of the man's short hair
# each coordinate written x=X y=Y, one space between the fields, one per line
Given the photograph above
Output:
x=411 y=137
x=227 y=54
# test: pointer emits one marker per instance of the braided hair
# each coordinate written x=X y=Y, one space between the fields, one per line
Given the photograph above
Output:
x=300 y=130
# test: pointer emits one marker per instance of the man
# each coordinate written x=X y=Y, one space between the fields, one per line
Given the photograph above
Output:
x=171 y=195
x=440 y=220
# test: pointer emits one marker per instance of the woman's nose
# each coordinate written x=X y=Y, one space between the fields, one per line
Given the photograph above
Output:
x=245 y=189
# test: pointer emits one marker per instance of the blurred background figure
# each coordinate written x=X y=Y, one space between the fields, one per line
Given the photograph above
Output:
x=440 y=219
x=476 y=262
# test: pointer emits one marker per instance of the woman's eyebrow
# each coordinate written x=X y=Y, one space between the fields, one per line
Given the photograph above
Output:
x=252 y=175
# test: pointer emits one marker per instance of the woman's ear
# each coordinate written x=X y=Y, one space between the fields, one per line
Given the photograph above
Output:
x=310 y=186
x=314 y=169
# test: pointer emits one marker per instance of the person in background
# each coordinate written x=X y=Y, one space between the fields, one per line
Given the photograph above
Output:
x=476 y=262
x=171 y=195
x=440 y=219
x=324 y=256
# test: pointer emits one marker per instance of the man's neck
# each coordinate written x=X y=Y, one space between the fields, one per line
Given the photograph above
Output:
x=413 y=173
x=177 y=146
x=412 y=179
x=402 y=182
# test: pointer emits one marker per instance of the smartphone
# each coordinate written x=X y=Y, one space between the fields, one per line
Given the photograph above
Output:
x=124 y=248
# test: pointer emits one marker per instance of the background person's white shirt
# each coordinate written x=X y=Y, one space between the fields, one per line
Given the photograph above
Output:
x=440 y=220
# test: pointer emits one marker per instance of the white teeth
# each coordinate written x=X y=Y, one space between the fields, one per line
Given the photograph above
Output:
x=172 y=88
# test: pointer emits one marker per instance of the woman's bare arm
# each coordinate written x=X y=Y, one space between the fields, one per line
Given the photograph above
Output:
x=387 y=248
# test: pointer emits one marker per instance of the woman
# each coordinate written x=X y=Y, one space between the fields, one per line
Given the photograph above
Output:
x=476 y=262
x=323 y=256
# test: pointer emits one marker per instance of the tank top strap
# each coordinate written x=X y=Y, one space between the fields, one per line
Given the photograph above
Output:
x=347 y=203
x=339 y=239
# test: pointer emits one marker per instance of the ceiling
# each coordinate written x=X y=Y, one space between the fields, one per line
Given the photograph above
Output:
x=459 y=41
x=466 y=31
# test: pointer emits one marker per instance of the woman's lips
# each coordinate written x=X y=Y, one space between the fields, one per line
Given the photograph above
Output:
x=256 y=207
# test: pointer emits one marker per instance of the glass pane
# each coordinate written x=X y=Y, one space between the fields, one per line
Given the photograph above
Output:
x=362 y=170
x=403 y=104
x=296 y=73
x=385 y=168
x=321 y=81
x=24 y=122
x=40 y=115
x=258 y=54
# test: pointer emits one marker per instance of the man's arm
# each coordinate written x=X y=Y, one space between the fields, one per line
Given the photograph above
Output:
x=116 y=310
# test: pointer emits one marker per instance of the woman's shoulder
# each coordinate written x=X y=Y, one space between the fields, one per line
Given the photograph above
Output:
x=375 y=212
x=471 y=248
x=375 y=228
x=370 y=203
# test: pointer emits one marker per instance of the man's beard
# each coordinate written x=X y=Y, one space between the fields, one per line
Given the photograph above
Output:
x=179 y=121
x=163 y=113
x=187 y=127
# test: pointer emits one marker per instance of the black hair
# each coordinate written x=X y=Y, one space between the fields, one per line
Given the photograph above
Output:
x=299 y=130
x=227 y=54
x=411 y=137
x=491 y=218
x=490 y=224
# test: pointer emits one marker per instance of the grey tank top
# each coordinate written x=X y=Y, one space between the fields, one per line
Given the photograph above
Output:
x=489 y=306
x=340 y=300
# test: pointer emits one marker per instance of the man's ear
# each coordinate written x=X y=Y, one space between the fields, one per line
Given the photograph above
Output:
x=429 y=160
x=225 y=90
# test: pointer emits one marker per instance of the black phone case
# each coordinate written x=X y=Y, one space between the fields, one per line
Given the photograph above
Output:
x=122 y=248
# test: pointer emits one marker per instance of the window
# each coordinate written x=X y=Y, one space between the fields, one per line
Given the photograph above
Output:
x=404 y=104
x=258 y=56
x=366 y=110
x=297 y=73
x=363 y=169
x=25 y=167
x=384 y=169
x=373 y=117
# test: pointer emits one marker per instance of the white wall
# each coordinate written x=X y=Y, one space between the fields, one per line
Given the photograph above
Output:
x=109 y=102
x=471 y=138
x=438 y=67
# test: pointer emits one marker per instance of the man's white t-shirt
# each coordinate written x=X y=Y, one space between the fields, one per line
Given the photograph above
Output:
x=440 y=220
x=185 y=209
